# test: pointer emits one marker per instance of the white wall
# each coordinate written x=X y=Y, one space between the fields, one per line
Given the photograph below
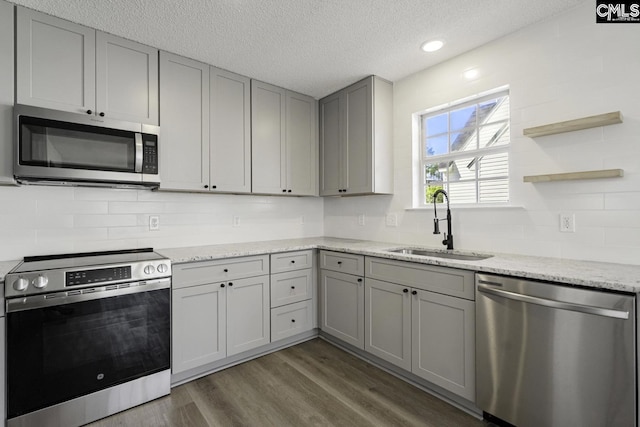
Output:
x=563 y=68
x=43 y=220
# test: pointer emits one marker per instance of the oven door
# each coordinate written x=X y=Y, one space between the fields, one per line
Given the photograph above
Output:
x=84 y=343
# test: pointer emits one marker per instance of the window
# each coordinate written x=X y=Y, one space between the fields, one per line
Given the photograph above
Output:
x=464 y=150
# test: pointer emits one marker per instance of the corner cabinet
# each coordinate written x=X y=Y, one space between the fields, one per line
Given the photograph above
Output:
x=6 y=93
x=284 y=141
x=342 y=297
x=66 y=66
x=205 y=122
x=356 y=139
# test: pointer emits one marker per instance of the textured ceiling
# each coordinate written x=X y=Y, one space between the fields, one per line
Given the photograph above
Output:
x=311 y=46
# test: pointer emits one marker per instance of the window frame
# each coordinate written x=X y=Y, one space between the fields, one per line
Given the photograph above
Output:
x=421 y=160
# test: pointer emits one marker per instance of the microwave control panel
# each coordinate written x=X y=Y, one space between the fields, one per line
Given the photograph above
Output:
x=150 y=155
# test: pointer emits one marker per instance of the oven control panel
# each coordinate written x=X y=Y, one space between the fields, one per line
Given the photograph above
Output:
x=54 y=280
x=86 y=277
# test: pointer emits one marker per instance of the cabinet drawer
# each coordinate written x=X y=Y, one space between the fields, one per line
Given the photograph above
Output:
x=344 y=263
x=443 y=280
x=290 y=287
x=197 y=273
x=290 y=261
x=291 y=319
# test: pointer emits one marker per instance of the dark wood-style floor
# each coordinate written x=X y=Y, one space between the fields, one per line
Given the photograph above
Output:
x=311 y=384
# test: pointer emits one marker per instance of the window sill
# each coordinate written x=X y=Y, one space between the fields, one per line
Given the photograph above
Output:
x=468 y=207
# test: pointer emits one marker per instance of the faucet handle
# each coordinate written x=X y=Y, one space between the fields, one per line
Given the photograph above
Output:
x=446 y=240
x=436 y=226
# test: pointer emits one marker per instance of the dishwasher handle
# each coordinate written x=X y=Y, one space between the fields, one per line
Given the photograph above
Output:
x=581 y=308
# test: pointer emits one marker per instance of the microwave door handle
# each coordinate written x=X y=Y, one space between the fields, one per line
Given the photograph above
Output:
x=138 y=164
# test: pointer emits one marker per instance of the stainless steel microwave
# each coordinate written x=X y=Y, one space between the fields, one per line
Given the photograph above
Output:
x=60 y=148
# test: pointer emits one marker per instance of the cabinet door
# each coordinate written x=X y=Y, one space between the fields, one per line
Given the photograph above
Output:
x=302 y=144
x=342 y=307
x=388 y=322
x=358 y=133
x=331 y=155
x=55 y=63
x=126 y=79
x=184 y=106
x=268 y=139
x=6 y=93
x=230 y=136
x=248 y=315
x=198 y=326
x=444 y=341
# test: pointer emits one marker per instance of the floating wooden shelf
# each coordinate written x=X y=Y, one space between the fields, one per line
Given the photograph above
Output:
x=577 y=124
x=607 y=173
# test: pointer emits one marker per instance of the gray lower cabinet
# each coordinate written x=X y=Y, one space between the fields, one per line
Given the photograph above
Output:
x=219 y=308
x=6 y=92
x=430 y=333
x=199 y=332
x=293 y=289
x=388 y=322
x=341 y=299
x=443 y=340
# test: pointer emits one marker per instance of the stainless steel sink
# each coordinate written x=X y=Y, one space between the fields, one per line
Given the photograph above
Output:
x=438 y=254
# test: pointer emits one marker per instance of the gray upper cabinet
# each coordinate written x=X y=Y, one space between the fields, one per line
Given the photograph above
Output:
x=230 y=132
x=283 y=140
x=356 y=151
x=126 y=79
x=184 y=119
x=6 y=92
x=205 y=122
x=66 y=66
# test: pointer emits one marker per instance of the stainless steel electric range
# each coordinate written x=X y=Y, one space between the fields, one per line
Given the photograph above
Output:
x=88 y=335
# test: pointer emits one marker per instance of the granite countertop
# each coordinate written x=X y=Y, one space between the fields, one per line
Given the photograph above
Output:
x=620 y=277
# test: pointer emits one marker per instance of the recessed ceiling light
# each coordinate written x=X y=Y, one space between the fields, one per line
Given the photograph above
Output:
x=432 y=46
x=471 y=74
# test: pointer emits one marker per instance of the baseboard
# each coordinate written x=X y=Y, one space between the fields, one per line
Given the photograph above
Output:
x=408 y=377
x=201 y=371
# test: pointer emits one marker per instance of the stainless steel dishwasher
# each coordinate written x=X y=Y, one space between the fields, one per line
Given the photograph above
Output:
x=553 y=355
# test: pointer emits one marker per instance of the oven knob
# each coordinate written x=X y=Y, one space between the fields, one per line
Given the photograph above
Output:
x=20 y=284
x=162 y=268
x=40 y=281
x=149 y=269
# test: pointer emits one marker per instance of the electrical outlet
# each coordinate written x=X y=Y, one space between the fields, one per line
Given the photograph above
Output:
x=154 y=223
x=392 y=220
x=236 y=221
x=361 y=219
x=567 y=223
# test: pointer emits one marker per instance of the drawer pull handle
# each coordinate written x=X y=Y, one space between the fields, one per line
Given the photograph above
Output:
x=414 y=292
x=359 y=280
x=293 y=320
x=222 y=285
x=339 y=262
x=293 y=287
x=293 y=261
x=226 y=270
x=230 y=284
x=405 y=290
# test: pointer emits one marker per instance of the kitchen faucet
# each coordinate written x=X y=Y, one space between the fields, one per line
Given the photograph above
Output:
x=448 y=237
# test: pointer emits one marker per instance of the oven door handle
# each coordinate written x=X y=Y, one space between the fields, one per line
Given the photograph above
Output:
x=86 y=294
x=580 y=308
